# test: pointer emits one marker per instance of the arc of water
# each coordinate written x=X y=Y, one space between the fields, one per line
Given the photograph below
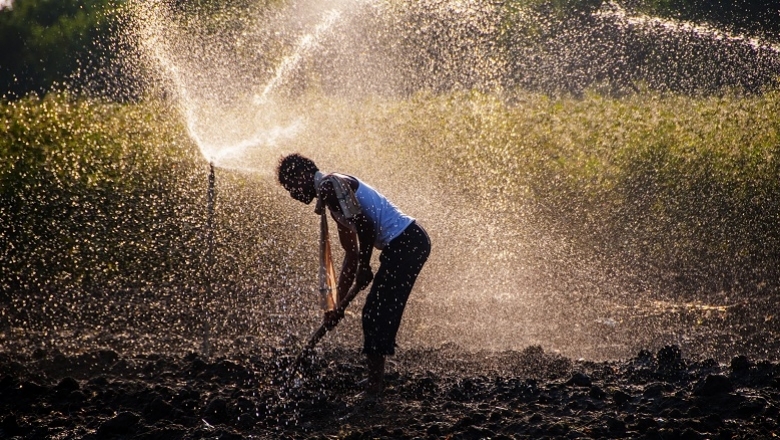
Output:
x=290 y=62
x=162 y=51
x=617 y=12
x=152 y=41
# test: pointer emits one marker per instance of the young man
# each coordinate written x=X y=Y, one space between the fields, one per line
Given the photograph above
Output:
x=365 y=220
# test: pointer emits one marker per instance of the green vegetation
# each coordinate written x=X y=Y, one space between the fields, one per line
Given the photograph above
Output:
x=97 y=197
x=671 y=187
x=754 y=17
x=90 y=193
x=50 y=42
x=95 y=194
x=104 y=220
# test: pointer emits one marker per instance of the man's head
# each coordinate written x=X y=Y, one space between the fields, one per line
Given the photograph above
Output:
x=296 y=175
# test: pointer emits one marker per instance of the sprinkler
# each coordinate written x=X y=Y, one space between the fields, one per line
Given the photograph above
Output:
x=210 y=220
x=211 y=193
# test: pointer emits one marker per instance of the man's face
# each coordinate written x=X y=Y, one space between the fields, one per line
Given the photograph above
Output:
x=301 y=188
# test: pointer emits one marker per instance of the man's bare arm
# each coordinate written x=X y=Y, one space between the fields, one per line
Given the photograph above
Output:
x=349 y=241
x=358 y=246
x=366 y=237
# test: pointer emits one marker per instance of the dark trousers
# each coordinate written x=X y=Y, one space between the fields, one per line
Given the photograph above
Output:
x=399 y=264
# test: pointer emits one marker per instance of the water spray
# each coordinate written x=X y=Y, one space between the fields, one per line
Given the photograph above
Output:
x=289 y=63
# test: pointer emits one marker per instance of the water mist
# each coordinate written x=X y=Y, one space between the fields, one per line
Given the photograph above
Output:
x=414 y=97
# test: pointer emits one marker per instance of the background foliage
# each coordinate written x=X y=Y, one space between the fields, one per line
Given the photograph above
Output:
x=681 y=187
x=104 y=219
x=754 y=17
x=47 y=43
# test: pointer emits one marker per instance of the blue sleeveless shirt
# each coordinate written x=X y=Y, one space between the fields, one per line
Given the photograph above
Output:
x=389 y=222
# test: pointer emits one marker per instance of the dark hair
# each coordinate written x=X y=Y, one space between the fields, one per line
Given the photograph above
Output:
x=292 y=165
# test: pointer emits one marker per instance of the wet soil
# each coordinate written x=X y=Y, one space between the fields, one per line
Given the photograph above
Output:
x=431 y=393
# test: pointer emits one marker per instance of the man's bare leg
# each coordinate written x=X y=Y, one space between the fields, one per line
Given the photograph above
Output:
x=376 y=374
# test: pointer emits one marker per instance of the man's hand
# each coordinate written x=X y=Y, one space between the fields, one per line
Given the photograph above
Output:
x=364 y=276
x=332 y=318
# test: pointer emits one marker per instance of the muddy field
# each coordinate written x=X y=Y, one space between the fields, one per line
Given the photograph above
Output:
x=441 y=393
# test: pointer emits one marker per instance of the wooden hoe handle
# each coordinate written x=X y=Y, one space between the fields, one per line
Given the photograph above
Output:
x=322 y=330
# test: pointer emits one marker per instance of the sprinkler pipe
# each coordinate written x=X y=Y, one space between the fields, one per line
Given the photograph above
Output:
x=211 y=195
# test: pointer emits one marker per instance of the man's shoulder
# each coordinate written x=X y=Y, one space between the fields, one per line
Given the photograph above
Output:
x=328 y=181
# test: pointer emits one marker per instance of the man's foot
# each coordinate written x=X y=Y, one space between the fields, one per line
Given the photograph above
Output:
x=374 y=389
x=361 y=402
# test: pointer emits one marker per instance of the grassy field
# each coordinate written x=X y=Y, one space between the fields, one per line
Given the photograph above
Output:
x=676 y=188
x=671 y=180
x=683 y=186
x=99 y=199
x=89 y=190
x=104 y=215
